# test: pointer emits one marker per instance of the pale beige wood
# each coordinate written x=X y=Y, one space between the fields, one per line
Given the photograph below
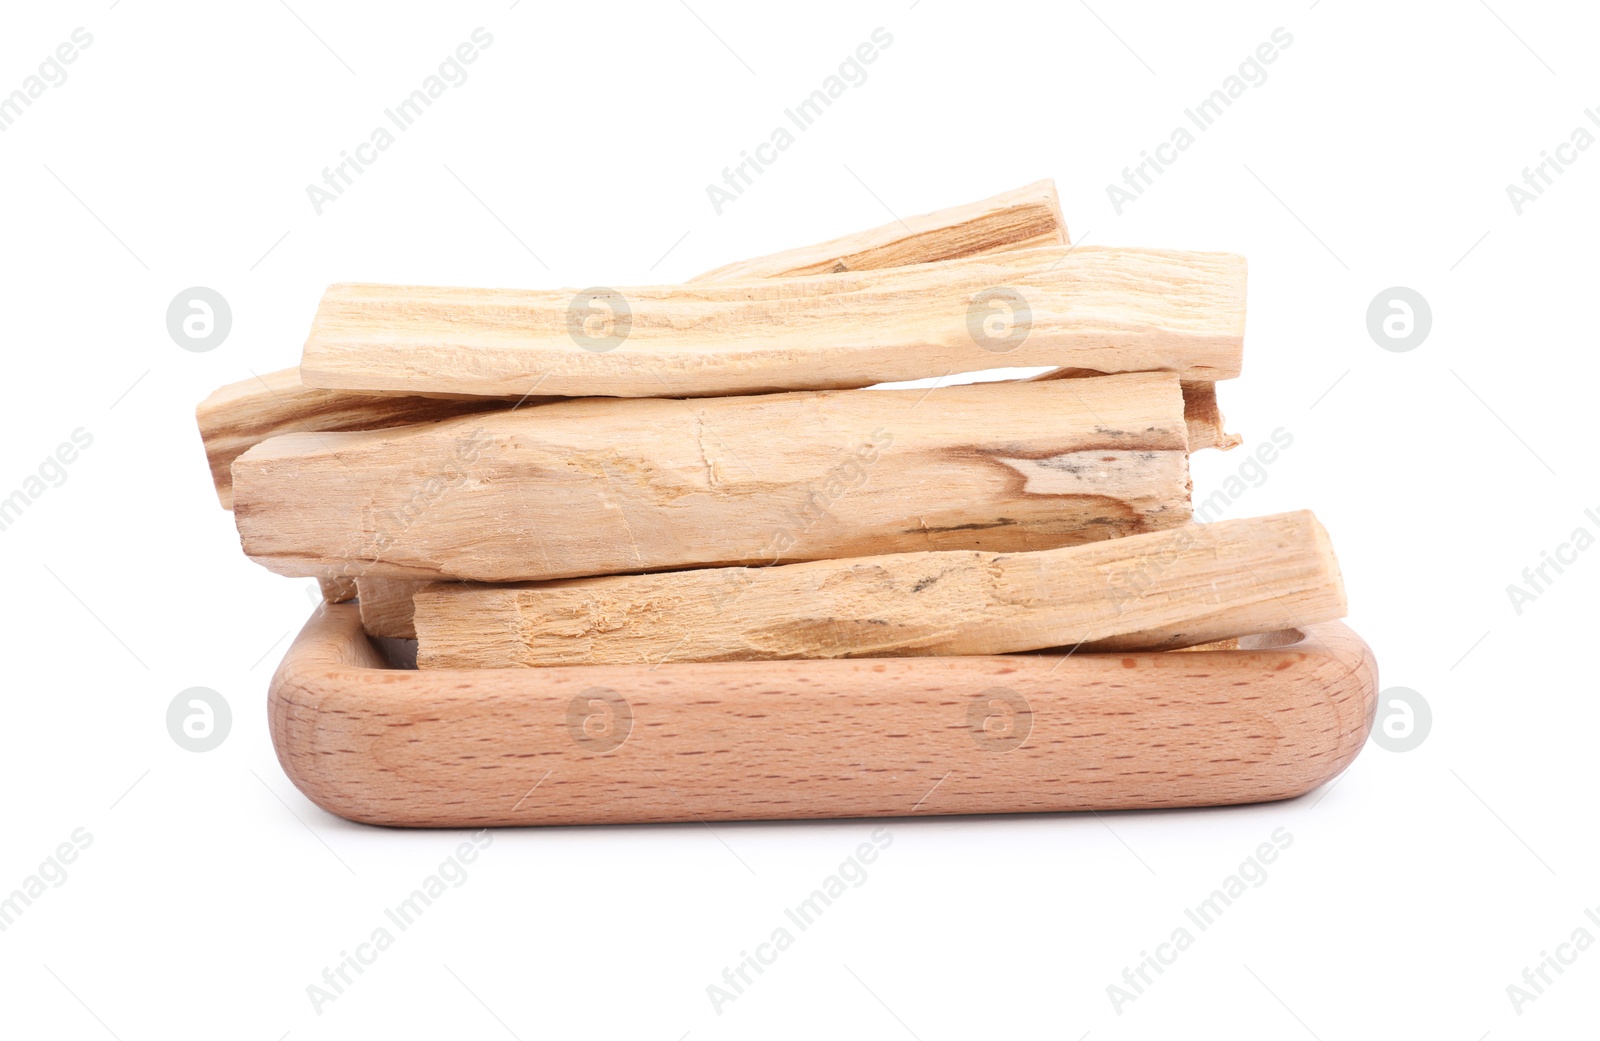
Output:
x=386 y=604
x=337 y=589
x=246 y=413
x=1022 y=218
x=1207 y=427
x=386 y=608
x=1215 y=645
x=1156 y=591
x=1113 y=310
x=250 y=411
x=885 y=737
x=604 y=486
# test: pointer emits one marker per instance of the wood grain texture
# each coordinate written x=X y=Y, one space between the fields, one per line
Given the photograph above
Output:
x=338 y=590
x=785 y=740
x=606 y=486
x=1207 y=426
x=1157 y=591
x=246 y=413
x=1109 y=309
x=1023 y=218
x=243 y=414
x=386 y=608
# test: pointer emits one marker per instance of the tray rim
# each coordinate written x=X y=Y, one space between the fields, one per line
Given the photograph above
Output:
x=332 y=667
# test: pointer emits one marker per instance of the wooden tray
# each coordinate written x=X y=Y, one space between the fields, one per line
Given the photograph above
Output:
x=368 y=739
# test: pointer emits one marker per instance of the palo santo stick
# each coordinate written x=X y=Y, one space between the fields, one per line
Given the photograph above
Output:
x=246 y=413
x=1204 y=418
x=1019 y=219
x=1200 y=410
x=1113 y=310
x=600 y=486
x=338 y=590
x=1156 y=591
x=386 y=608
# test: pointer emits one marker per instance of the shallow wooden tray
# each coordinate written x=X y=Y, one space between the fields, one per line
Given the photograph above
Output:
x=368 y=739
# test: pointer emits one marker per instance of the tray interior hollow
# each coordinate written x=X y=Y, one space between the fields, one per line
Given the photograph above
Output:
x=402 y=654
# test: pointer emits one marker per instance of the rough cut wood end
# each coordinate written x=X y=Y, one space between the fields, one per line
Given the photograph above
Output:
x=1019 y=219
x=240 y=415
x=386 y=608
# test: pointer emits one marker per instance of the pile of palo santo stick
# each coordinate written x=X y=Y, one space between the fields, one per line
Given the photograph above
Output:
x=709 y=471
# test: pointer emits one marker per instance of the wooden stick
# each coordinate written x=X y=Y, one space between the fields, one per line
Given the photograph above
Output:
x=386 y=608
x=883 y=737
x=603 y=486
x=338 y=590
x=1113 y=310
x=386 y=603
x=1204 y=418
x=1200 y=410
x=1156 y=591
x=246 y=413
x=1019 y=219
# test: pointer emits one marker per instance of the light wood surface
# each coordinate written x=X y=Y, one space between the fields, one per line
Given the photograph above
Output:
x=1157 y=591
x=1023 y=218
x=1102 y=308
x=781 y=740
x=338 y=590
x=235 y=417
x=246 y=413
x=1207 y=426
x=606 y=486
x=386 y=607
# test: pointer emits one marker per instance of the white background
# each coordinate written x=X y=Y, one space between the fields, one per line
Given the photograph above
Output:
x=1376 y=154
